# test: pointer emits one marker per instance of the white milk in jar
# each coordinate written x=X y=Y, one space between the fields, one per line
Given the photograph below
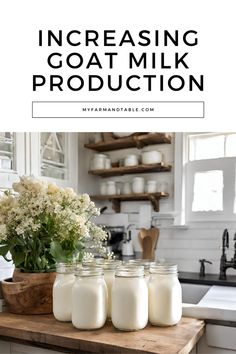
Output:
x=109 y=267
x=62 y=288
x=129 y=299
x=165 y=295
x=89 y=299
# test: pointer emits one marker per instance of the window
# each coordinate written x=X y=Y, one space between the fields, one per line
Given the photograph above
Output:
x=208 y=191
x=211 y=146
x=54 y=158
x=7 y=151
x=210 y=176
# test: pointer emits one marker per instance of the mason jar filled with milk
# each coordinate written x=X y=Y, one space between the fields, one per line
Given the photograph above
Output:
x=89 y=299
x=62 y=288
x=165 y=295
x=129 y=310
x=109 y=267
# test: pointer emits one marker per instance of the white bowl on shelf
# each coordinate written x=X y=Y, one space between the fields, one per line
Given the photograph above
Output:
x=131 y=160
x=150 y=157
x=122 y=134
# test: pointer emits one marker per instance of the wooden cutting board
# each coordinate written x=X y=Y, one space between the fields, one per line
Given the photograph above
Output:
x=45 y=331
x=148 y=241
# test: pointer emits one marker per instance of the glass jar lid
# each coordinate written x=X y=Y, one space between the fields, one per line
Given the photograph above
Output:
x=65 y=268
x=89 y=272
x=129 y=271
x=163 y=268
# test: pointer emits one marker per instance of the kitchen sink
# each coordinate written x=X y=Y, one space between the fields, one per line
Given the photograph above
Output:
x=193 y=293
x=216 y=302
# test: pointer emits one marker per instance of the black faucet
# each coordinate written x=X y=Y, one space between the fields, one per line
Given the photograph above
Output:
x=224 y=264
x=202 y=267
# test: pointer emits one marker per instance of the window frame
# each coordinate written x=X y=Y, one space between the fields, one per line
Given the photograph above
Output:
x=183 y=191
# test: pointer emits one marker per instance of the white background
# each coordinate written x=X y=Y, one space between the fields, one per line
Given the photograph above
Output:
x=215 y=57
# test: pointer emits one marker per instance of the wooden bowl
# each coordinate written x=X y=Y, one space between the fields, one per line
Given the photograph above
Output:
x=29 y=293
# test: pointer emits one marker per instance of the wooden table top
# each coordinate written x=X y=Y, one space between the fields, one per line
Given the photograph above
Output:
x=45 y=331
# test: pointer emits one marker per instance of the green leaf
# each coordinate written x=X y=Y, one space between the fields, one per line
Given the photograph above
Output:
x=56 y=251
x=18 y=258
x=3 y=250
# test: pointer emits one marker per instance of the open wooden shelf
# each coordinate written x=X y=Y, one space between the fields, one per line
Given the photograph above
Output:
x=138 y=141
x=154 y=199
x=119 y=171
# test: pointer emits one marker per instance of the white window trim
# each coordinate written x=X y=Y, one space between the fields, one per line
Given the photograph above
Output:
x=7 y=177
x=179 y=179
x=180 y=196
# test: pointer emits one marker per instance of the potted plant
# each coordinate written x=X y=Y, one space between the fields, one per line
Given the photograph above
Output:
x=42 y=224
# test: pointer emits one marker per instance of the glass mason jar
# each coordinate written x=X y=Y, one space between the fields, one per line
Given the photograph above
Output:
x=89 y=299
x=129 y=311
x=109 y=267
x=61 y=293
x=165 y=295
x=146 y=263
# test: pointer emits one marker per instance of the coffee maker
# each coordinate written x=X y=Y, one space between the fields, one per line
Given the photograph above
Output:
x=115 y=237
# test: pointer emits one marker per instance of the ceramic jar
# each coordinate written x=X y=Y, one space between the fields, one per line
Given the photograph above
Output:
x=111 y=187
x=126 y=188
x=131 y=160
x=98 y=162
x=107 y=163
x=103 y=188
x=149 y=157
x=151 y=186
x=138 y=184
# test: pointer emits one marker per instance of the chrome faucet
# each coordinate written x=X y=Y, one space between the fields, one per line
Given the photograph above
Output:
x=224 y=264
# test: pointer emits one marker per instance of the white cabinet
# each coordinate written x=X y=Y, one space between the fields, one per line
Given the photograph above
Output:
x=5 y=347
x=202 y=347
x=15 y=348
x=26 y=349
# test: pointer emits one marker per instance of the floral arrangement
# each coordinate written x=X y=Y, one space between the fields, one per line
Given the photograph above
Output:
x=41 y=224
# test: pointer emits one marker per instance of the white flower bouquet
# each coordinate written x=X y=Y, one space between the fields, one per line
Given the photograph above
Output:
x=41 y=224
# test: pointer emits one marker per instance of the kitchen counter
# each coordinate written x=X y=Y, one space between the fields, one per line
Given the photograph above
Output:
x=209 y=279
x=44 y=331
